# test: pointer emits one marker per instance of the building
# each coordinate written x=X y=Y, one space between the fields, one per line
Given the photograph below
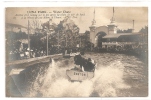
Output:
x=107 y=36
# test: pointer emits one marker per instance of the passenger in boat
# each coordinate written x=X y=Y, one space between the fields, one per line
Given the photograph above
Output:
x=85 y=64
x=78 y=60
x=89 y=65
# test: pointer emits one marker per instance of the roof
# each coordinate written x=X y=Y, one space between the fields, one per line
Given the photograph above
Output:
x=119 y=34
x=112 y=36
x=15 y=25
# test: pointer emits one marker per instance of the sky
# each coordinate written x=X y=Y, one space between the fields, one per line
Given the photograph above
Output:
x=123 y=16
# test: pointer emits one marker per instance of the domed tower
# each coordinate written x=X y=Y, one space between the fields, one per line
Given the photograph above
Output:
x=112 y=27
x=92 y=29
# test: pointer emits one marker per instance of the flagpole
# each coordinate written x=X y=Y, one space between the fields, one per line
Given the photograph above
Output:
x=94 y=13
x=113 y=11
x=47 y=43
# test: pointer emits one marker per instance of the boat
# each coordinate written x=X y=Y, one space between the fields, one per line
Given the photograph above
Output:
x=70 y=55
x=78 y=75
x=66 y=56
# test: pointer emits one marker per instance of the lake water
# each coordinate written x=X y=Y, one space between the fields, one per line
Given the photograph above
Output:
x=116 y=75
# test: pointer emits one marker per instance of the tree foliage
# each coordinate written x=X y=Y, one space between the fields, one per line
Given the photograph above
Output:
x=144 y=30
x=66 y=33
x=124 y=31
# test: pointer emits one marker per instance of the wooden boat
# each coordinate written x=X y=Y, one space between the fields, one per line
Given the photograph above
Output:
x=76 y=75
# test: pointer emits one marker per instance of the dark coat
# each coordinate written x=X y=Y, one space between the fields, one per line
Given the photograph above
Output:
x=78 y=60
x=87 y=65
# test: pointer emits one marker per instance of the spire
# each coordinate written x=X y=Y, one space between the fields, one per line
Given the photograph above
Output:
x=93 y=26
x=133 y=26
x=113 y=19
x=112 y=26
x=93 y=22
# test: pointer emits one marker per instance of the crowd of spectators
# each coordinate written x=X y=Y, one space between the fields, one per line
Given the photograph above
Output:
x=25 y=53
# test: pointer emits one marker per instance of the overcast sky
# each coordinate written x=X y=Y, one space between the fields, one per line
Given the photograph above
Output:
x=123 y=16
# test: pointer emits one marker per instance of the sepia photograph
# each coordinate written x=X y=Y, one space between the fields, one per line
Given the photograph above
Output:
x=57 y=52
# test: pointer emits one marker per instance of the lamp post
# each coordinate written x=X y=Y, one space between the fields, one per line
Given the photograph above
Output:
x=47 y=43
x=50 y=31
x=29 y=39
x=58 y=42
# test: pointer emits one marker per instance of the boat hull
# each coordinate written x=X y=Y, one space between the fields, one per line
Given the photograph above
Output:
x=75 y=75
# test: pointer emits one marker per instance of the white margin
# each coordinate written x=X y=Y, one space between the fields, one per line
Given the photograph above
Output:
x=65 y=3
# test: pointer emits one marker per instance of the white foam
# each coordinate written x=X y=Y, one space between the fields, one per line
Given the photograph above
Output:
x=106 y=82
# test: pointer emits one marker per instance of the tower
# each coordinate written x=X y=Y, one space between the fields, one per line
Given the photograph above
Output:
x=133 y=26
x=112 y=28
x=92 y=28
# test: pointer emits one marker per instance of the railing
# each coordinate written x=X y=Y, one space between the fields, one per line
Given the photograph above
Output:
x=110 y=43
x=31 y=59
x=118 y=43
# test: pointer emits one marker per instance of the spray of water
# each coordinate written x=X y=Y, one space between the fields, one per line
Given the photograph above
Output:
x=54 y=82
x=108 y=80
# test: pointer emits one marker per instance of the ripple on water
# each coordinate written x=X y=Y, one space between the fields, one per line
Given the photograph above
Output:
x=113 y=77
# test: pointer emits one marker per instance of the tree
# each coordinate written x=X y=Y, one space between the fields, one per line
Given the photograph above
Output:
x=144 y=34
x=65 y=34
x=144 y=30
x=125 y=31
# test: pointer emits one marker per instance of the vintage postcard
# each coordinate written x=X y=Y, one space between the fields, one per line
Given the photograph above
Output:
x=76 y=51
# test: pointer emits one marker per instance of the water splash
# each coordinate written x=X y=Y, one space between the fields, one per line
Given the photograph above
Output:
x=108 y=80
x=54 y=83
